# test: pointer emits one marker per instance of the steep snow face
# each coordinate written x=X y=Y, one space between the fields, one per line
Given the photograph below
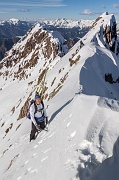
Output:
x=82 y=105
x=118 y=30
x=109 y=166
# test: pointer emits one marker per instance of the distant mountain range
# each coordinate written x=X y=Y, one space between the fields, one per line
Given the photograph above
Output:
x=71 y=30
x=12 y=30
x=65 y=23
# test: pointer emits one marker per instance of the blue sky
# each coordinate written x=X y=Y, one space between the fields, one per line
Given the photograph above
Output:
x=52 y=9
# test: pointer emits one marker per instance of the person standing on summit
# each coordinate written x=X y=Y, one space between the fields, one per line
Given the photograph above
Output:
x=38 y=117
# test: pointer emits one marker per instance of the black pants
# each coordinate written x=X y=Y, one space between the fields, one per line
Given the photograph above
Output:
x=34 y=130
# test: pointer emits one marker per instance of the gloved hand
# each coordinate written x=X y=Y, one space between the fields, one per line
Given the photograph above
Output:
x=37 y=127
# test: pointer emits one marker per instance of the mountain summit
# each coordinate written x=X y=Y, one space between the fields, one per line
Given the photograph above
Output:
x=82 y=101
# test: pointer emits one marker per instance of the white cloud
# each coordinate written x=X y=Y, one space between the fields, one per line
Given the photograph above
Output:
x=24 y=10
x=36 y=3
x=87 y=12
x=115 y=5
x=103 y=6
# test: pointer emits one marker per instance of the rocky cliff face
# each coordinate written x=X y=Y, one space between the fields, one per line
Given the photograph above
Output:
x=108 y=32
x=37 y=45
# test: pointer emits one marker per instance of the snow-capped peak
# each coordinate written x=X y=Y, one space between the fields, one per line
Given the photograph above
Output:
x=65 y=23
x=13 y=21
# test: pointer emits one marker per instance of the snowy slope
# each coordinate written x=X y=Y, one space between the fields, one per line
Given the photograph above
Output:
x=83 y=116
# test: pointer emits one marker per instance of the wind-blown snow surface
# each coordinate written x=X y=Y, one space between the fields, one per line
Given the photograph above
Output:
x=83 y=120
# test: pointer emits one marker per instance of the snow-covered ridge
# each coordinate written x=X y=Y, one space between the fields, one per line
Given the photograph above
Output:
x=65 y=23
x=11 y=21
x=82 y=100
x=36 y=45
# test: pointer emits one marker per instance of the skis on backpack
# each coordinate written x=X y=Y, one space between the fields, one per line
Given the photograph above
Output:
x=40 y=88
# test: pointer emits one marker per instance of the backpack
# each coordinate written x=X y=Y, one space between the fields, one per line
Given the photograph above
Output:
x=33 y=102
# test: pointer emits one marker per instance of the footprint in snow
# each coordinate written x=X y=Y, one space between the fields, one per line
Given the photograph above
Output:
x=19 y=178
x=34 y=171
x=29 y=169
x=47 y=150
x=70 y=115
x=70 y=164
x=40 y=141
x=26 y=162
x=44 y=159
x=68 y=124
x=66 y=119
x=35 y=146
x=72 y=135
x=51 y=135
x=33 y=155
